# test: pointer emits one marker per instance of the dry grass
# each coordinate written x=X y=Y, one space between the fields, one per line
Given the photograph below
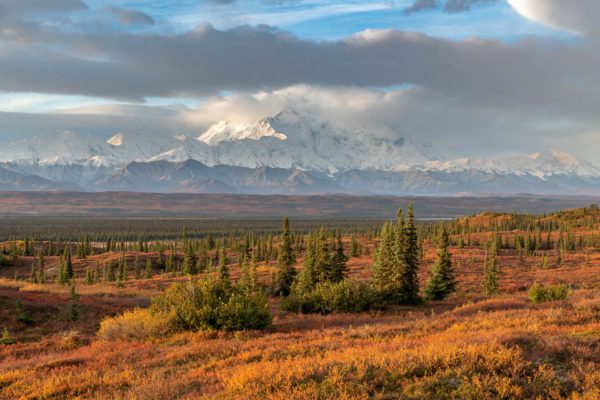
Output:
x=488 y=349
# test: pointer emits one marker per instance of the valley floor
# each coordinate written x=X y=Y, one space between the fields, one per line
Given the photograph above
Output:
x=467 y=347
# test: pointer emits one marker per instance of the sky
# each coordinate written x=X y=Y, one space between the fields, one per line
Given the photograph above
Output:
x=471 y=77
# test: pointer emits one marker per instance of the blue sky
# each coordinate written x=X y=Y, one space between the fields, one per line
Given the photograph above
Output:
x=330 y=19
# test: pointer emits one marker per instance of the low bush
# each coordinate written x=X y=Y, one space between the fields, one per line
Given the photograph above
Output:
x=540 y=294
x=345 y=297
x=138 y=324
x=211 y=304
x=4 y=261
x=6 y=338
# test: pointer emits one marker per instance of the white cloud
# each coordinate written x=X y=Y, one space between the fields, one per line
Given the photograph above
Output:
x=454 y=127
x=578 y=16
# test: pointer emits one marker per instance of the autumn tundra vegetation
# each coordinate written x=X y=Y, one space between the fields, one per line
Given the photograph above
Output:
x=487 y=306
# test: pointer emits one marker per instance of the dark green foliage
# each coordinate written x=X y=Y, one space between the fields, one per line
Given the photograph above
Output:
x=540 y=294
x=4 y=261
x=90 y=276
x=73 y=305
x=65 y=269
x=306 y=279
x=442 y=281
x=189 y=266
x=21 y=314
x=409 y=281
x=148 y=271
x=397 y=261
x=338 y=261
x=122 y=272
x=212 y=304
x=137 y=268
x=491 y=273
x=347 y=296
x=223 y=267
x=285 y=262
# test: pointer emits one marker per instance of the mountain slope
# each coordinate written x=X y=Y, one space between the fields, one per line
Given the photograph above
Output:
x=12 y=181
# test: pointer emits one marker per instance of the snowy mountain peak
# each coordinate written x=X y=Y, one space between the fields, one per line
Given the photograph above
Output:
x=225 y=131
x=116 y=140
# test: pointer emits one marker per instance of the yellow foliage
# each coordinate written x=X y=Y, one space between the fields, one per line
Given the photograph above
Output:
x=137 y=324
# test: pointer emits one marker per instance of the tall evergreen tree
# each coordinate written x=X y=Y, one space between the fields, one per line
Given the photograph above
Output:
x=223 y=268
x=137 y=268
x=385 y=262
x=442 y=282
x=338 y=261
x=306 y=279
x=148 y=271
x=323 y=263
x=189 y=260
x=491 y=273
x=409 y=280
x=253 y=282
x=122 y=274
x=285 y=262
x=65 y=269
x=73 y=305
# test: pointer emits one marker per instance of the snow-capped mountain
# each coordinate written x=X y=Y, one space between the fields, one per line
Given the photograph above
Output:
x=61 y=148
x=287 y=153
x=298 y=140
x=540 y=164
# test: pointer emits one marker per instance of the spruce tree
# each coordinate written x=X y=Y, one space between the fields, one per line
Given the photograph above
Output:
x=89 y=276
x=338 y=261
x=385 y=262
x=253 y=282
x=306 y=279
x=137 y=268
x=65 y=269
x=73 y=306
x=409 y=280
x=122 y=274
x=22 y=315
x=189 y=260
x=323 y=263
x=41 y=277
x=223 y=268
x=442 y=282
x=33 y=274
x=285 y=262
x=149 y=271
x=245 y=281
x=491 y=273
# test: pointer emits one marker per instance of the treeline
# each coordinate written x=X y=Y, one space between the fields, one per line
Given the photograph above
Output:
x=70 y=229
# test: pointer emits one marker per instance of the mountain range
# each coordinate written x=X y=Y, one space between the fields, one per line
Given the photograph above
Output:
x=290 y=153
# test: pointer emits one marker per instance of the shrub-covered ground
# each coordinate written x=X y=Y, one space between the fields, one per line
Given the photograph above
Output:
x=499 y=348
x=467 y=347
